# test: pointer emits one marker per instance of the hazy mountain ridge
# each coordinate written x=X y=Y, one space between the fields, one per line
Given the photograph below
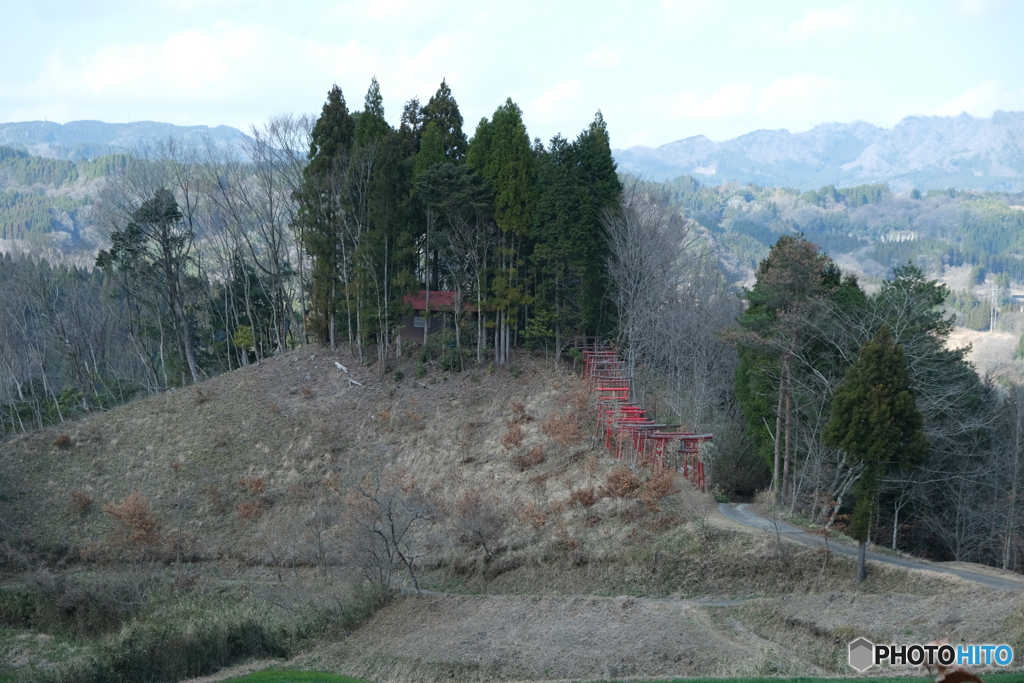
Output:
x=77 y=140
x=926 y=152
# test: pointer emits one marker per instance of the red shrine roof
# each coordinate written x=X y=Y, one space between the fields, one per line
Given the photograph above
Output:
x=438 y=300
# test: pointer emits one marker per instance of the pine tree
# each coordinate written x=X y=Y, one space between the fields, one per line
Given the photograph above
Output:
x=443 y=111
x=372 y=126
x=501 y=152
x=320 y=211
x=577 y=183
x=875 y=421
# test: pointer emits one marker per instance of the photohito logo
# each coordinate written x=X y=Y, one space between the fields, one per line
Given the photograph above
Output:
x=864 y=654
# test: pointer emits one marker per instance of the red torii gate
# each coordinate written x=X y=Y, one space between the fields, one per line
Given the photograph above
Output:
x=622 y=422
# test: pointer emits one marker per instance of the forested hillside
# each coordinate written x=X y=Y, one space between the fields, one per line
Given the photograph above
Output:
x=319 y=233
x=289 y=414
x=210 y=261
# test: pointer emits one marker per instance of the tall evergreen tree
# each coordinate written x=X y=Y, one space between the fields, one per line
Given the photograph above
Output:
x=501 y=152
x=371 y=126
x=321 y=212
x=577 y=183
x=875 y=421
x=443 y=111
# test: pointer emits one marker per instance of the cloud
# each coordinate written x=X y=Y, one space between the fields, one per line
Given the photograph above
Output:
x=982 y=100
x=683 y=13
x=194 y=65
x=819 y=22
x=604 y=57
x=558 y=101
x=798 y=93
x=729 y=101
x=403 y=11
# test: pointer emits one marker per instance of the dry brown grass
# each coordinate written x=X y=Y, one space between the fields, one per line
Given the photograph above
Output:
x=558 y=537
x=81 y=502
x=63 y=441
x=621 y=482
x=136 y=528
x=513 y=438
x=657 y=487
x=519 y=415
x=563 y=428
x=255 y=485
x=532 y=458
x=585 y=497
x=532 y=515
x=251 y=509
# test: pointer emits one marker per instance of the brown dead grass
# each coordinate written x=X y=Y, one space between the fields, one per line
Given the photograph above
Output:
x=574 y=525
x=534 y=457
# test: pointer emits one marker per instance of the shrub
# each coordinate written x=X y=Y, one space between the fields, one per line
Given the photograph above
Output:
x=80 y=502
x=532 y=515
x=250 y=509
x=564 y=429
x=513 y=438
x=585 y=497
x=450 y=361
x=421 y=370
x=63 y=440
x=657 y=487
x=136 y=529
x=534 y=457
x=621 y=482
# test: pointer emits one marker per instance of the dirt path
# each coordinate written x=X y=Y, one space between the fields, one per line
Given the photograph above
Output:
x=746 y=515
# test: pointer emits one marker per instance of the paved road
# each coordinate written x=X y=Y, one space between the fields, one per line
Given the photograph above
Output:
x=745 y=514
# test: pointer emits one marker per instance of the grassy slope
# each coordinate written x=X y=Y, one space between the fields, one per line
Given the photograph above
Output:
x=547 y=605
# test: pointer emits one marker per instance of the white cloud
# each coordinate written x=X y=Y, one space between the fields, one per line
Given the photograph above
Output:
x=683 y=13
x=798 y=94
x=727 y=102
x=982 y=100
x=194 y=65
x=819 y=22
x=559 y=101
x=604 y=57
x=403 y=11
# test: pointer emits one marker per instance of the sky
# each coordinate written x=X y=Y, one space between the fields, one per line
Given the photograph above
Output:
x=659 y=71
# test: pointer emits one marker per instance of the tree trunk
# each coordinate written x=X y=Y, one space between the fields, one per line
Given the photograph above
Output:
x=777 y=438
x=862 y=572
x=788 y=374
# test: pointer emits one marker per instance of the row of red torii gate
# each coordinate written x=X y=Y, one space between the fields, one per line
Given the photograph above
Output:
x=627 y=430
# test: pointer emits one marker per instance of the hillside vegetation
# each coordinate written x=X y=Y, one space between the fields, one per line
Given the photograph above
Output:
x=234 y=500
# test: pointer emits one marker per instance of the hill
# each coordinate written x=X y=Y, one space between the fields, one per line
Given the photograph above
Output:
x=529 y=533
x=923 y=152
x=84 y=140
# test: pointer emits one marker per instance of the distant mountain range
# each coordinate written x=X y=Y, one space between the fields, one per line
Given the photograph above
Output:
x=924 y=152
x=79 y=140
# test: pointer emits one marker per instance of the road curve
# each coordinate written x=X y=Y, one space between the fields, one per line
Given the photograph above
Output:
x=745 y=514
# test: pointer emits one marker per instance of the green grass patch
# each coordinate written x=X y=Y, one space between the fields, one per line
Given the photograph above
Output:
x=288 y=676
